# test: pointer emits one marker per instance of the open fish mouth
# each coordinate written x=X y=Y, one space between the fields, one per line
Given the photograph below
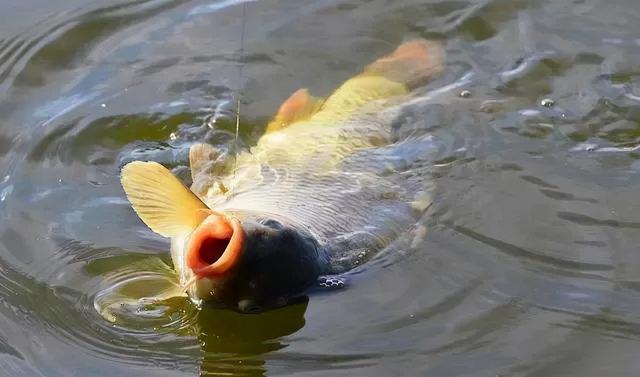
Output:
x=255 y=259
x=215 y=246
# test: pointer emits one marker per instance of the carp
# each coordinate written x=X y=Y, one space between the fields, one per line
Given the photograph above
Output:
x=321 y=191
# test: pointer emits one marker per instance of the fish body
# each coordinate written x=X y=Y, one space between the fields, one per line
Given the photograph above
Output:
x=323 y=189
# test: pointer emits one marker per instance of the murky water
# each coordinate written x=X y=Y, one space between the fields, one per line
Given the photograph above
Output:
x=530 y=266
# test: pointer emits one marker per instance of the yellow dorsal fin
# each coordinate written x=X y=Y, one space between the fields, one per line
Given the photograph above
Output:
x=299 y=106
x=412 y=63
x=160 y=199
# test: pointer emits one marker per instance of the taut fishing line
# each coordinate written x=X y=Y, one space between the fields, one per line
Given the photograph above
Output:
x=238 y=92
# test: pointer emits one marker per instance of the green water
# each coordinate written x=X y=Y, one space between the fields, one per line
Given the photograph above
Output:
x=530 y=265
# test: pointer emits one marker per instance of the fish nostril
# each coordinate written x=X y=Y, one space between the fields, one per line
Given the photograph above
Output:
x=272 y=224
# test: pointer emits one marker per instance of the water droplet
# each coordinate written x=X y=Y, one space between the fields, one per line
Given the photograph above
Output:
x=103 y=105
x=547 y=102
x=465 y=94
x=173 y=136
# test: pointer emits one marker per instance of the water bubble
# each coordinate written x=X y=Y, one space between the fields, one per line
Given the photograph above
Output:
x=465 y=94
x=173 y=136
x=103 y=105
x=547 y=102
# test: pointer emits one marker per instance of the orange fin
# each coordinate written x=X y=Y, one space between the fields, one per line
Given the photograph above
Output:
x=299 y=106
x=412 y=63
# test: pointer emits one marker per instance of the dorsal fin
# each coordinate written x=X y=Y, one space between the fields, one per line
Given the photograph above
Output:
x=299 y=106
x=161 y=200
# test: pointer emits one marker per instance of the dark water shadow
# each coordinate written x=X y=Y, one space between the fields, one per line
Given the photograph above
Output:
x=236 y=344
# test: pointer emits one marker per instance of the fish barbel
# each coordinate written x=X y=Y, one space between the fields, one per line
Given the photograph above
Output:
x=321 y=189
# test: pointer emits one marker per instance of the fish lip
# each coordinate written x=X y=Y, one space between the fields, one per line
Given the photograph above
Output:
x=219 y=229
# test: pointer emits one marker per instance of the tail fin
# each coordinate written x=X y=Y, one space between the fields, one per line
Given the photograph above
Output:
x=411 y=64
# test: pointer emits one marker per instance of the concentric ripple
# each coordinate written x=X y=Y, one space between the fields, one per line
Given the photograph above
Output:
x=525 y=263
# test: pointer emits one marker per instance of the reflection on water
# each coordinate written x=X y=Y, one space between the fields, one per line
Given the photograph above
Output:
x=237 y=344
x=525 y=265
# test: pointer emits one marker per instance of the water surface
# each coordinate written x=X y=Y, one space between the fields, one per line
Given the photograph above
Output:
x=529 y=266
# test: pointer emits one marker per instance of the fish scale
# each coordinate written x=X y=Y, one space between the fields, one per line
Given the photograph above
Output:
x=330 y=203
x=324 y=189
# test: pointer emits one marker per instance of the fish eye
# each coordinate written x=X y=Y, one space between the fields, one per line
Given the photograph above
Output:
x=272 y=224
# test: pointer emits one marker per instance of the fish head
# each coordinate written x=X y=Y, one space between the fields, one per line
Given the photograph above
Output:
x=243 y=259
x=250 y=261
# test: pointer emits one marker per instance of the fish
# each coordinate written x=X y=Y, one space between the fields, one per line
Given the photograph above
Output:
x=324 y=189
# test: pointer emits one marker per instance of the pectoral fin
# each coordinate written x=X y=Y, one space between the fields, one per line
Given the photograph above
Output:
x=161 y=200
x=201 y=158
x=299 y=106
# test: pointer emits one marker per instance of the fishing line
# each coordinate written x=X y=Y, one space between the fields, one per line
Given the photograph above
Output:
x=238 y=93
